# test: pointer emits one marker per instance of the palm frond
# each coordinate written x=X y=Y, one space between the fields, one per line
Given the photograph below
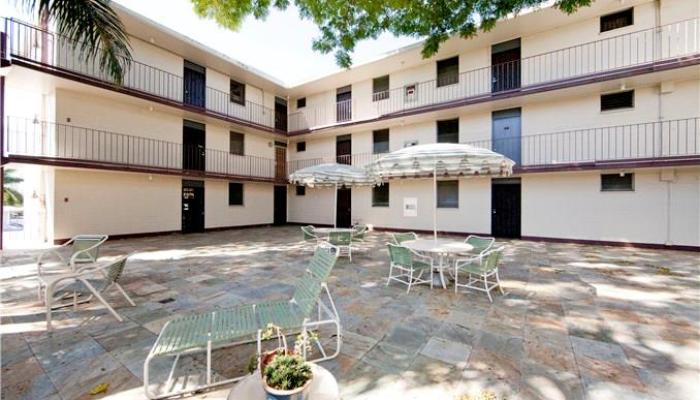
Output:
x=11 y=197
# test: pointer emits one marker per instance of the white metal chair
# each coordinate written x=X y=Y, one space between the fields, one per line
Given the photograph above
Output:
x=411 y=266
x=88 y=281
x=479 y=270
x=343 y=241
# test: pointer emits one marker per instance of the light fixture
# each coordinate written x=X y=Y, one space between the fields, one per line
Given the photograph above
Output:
x=150 y=108
x=623 y=86
x=622 y=174
x=35 y=121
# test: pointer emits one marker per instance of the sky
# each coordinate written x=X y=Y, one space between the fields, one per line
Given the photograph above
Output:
x=258 y=43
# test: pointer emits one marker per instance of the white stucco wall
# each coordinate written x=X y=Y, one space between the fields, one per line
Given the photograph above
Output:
x=257 y=205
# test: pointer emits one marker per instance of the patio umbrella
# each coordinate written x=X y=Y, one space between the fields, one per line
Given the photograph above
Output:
x=332 y=175
x=448 y=160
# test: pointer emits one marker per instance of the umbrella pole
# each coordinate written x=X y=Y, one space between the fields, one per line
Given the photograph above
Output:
x=435 y=202
x=335 y=207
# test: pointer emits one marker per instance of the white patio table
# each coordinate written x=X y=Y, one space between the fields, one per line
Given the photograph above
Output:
x=327 y=231
x=440 y=249
x=323 y=387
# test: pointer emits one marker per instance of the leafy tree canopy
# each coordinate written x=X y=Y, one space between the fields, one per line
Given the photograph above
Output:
x=343 y=23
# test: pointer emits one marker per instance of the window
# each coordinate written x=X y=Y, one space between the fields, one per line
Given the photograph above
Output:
x=237 y=92
x=301 y=190
x=448 y=131
x=617 y=182
x=380 y=140
x=236 y=141
x=380 y=196
x=448 y=71
x=301 y=103
x=301 y=146
x=448 y=194
x=617 y=20
x=235 y=194
x=616 y=101
x=380 y=88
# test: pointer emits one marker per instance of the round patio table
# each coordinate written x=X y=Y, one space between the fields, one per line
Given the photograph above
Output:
x=327 y=231
x=438 y=248
x=323 y=387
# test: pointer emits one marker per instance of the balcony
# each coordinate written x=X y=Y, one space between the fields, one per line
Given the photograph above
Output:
x=33 y=47
x=48 y=143
x=672 y=142
x=630 y=53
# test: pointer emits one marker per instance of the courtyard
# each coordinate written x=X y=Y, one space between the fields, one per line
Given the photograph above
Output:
x=576 y=321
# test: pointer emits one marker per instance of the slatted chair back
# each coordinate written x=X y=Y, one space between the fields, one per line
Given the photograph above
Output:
x=404 y=237
x=340 y=238
x=308 y=232
x=81 y=243
x=307 y=293
x=400 y=255
x=480 y=243
x=114 y=272
x=492 y=259
x=323 y=261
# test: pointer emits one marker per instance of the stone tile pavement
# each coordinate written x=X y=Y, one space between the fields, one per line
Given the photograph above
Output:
x=576 y=322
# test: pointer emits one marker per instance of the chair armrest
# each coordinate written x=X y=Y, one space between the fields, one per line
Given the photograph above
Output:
x=84 y=251
x=421 y=257
x=460 y=262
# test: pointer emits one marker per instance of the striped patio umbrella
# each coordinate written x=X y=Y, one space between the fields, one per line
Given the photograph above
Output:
x=440 y=160
x=333 y=175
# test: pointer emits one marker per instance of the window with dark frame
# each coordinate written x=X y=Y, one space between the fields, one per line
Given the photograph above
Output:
x=380 y=141
x=616 y=101
x=237 y=92
x=236 y=143
x=448 y=131
x=448 y=194
x=301 y=190
x=301 y=146
x=617 y=20
x=235 y=194
x=380 y=88
x=448 y=71
x=301 y=102
x=380 y=196
x=617 y=182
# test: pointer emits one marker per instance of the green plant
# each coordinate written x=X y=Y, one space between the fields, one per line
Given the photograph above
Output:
x=287 y=372
x=10 y=196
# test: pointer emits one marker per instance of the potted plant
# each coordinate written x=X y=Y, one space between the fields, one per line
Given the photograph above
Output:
x=286 y=375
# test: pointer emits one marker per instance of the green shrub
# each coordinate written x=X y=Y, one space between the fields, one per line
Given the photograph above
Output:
x=287 y=372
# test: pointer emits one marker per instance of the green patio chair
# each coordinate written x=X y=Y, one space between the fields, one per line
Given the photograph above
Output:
x=343 y=241
x=479 y=270
x=358 y=232
x=404 y=237
x=88 y=282
x=410 y=266
x=309 y=235
x=479 y=243
x=310 y=307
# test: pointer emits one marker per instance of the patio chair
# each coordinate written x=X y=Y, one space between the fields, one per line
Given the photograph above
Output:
x=410 y=265
x=309 y=235
x=479 y=270
x=343 y=241
x=480 y=243
x=310 y=308
x=81 y=249
x=404 y=237
x=358 y=232
x=88 y=281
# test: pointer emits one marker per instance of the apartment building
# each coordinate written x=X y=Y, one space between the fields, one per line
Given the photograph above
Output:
x=599 y=110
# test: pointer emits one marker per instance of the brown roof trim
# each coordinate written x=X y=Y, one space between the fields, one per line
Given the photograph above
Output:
x=642 y=69
x=629 y=163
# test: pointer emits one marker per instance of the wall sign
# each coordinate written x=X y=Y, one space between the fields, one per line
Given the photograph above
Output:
x=410 y=207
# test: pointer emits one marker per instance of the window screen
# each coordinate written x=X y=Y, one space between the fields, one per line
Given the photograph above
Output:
x=237 y=92
x=235 y=194
x=236 y=143
x=380 y=196
x=380 y=140
x=616 y=182
x=448 y=71
x=616 y=101
x=448 y=131
x=380 y=88
x=617 y=20
x=448 y=194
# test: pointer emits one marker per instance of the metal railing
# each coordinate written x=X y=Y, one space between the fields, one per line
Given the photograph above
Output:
x=62 y=142
x=587 y=59
x=35 y=45
x=642 y=141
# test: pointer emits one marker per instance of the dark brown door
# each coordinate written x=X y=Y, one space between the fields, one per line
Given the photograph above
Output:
x=280 y=114
x=280 y=162
x=192 y=206
x=343 y=149
x=505 y=208
x=280 y=204
x=193 y=146
x=343 y=217
x=505 y=66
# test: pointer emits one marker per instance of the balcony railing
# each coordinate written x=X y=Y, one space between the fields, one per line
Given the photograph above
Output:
x=628 y=50
x=38 y=46
x=34 y=140
x=662 y=140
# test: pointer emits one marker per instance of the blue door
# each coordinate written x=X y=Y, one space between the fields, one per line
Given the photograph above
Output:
x=506 y=133
x=194 y=85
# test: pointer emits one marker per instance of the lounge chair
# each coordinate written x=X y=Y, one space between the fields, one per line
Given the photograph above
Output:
x=479 y=270
x=88 y=281
x=204 y=332
x=343 y=241
x=403 y=237
x=410 y=265
x=81 y=249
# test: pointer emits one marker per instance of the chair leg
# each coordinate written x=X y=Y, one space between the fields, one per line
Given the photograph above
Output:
x=410 y=280
x=126 y=296
x=486 y=287
x=498 y=280
x=456 y=279
x=391 y=268
x=102 y=300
